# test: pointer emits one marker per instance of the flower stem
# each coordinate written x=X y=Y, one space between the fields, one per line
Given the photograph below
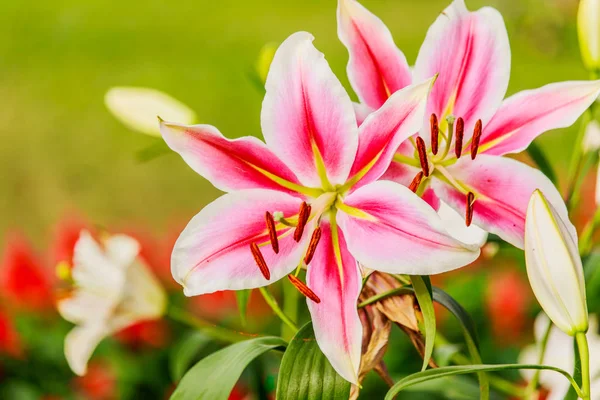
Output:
x=533 y=384
x=584 y=356
x=290 y=309
x=270 y=300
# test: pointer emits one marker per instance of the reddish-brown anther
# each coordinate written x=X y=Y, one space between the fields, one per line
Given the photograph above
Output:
x=435 y=134
x=469 y=212
x=414 y=185
x=423 y=155
x=272 y=231
x=460 y=133
x=260 y=261
x=303 y=215
x=312 y=246
x=476 y=138
x=302 y=288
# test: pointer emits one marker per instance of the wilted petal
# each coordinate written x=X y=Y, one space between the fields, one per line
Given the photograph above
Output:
x=377 y=68
x=389 y=228
x=80 y=343
x=502 y=188
x=470 y=51
x=244 y=163
x=554 y=266
x=213 y=252
x=307 y=116
x=524 y=116
x=335 y=278
x=138 y=108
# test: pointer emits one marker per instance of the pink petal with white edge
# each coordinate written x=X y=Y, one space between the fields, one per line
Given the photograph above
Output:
x=335 y=278
x=362 y=112
x=502 y=188
x=391 y=229
x=213 y=252
x=307 y=116
x=244 y=163
x=470 y=51
x=384 y=130
x=527 y=114
x=377 y=68
x=400 y=173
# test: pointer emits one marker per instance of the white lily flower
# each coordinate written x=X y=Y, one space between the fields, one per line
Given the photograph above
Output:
x=138 y=108
x=588 y=27
x=113 y=290
x=560 y=353
x=554 y=266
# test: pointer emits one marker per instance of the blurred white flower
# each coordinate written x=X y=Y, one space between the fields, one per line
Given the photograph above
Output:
x=591 y=140
x=113 y=289
x=554 y=266
x=588 y=27
x=138 y=108
x=560 y=353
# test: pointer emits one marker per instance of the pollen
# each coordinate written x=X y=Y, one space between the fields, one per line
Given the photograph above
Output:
x=460 y=132
x=272 y=231
x=435 y=134
x=303 y=215
x=260 y=261
x=423 y=155
x=312 y=247
x=469 y=208
x=414 y=185
x=476 y=139
x=302 y=288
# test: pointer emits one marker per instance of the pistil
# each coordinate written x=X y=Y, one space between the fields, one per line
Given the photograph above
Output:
x=302 y=288
x=476 y=138
x=260 y=261
x=460 y=132
x=422 y=155
x=435 y=133
x=272 y=232
x=312 y=246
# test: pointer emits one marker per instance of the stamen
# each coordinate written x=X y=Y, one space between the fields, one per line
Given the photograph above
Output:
x=435 y=133
x=260 y=261
x=272 y=232
x=303 y=215
x=422 y=155
x=302 y=288
x=460 y=132
x=414 y=185
x=314 y=241
x=470 y=204
x=476 y=138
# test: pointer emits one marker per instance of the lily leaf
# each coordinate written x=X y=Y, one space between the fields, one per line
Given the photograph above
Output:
x=538 y=156
x=213 y=377
x=306 y=374
x=152 y=151
x=242 y=297
x=184 y=353
x=423 y=291
x=437 y=373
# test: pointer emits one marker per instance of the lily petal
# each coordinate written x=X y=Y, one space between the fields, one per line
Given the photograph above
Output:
x=335 y=278
x=384 y=130
x=527 y=114
x=362 y=112
x=80 y=343
x=470 y=51
x=307 y=117
x=455 y=225
x=244 y=163
x=213 y=252
x=390 y=229
x=502 y=187
x=377 y=68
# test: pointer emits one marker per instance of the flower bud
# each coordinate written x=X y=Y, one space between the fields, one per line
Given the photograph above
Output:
x=588 y=27
x=554 y=266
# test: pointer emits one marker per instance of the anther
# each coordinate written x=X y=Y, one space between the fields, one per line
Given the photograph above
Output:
x=260 y=261
x=460 y=132
x=435 y=133
x=476 y=138
x=272 y=232
x=470 y=204
x=422 y=155
x=312 y=246
x=302 y=288
x=303 y=215
x=414 y=185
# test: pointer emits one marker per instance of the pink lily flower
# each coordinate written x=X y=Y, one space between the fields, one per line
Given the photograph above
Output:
x=309 y=199
x=470 y=52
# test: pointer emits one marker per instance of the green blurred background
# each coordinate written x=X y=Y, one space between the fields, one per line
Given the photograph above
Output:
x=62 y=150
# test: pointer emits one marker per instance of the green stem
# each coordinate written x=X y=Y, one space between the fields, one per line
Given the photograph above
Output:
x=270 y=300
x=584 y=356
x=290 y=309
x=381 y=296
x=214 y=331
x=533 y=384
x=585 y=243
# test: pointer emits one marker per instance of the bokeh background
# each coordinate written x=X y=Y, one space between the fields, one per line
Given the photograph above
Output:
x=67 y=163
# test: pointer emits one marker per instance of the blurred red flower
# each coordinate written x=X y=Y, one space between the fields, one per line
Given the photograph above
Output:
x=154 y=333
x=10 y=341
x=100 y=382
x=65 y=235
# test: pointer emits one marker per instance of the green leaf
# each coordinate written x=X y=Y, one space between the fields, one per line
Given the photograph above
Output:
x=423 y=291
x=183 y=354
x=242 y=297
x=437 y=373
x=153 y=151
x=538 y=156
x=213 y=377
x=305 y=373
